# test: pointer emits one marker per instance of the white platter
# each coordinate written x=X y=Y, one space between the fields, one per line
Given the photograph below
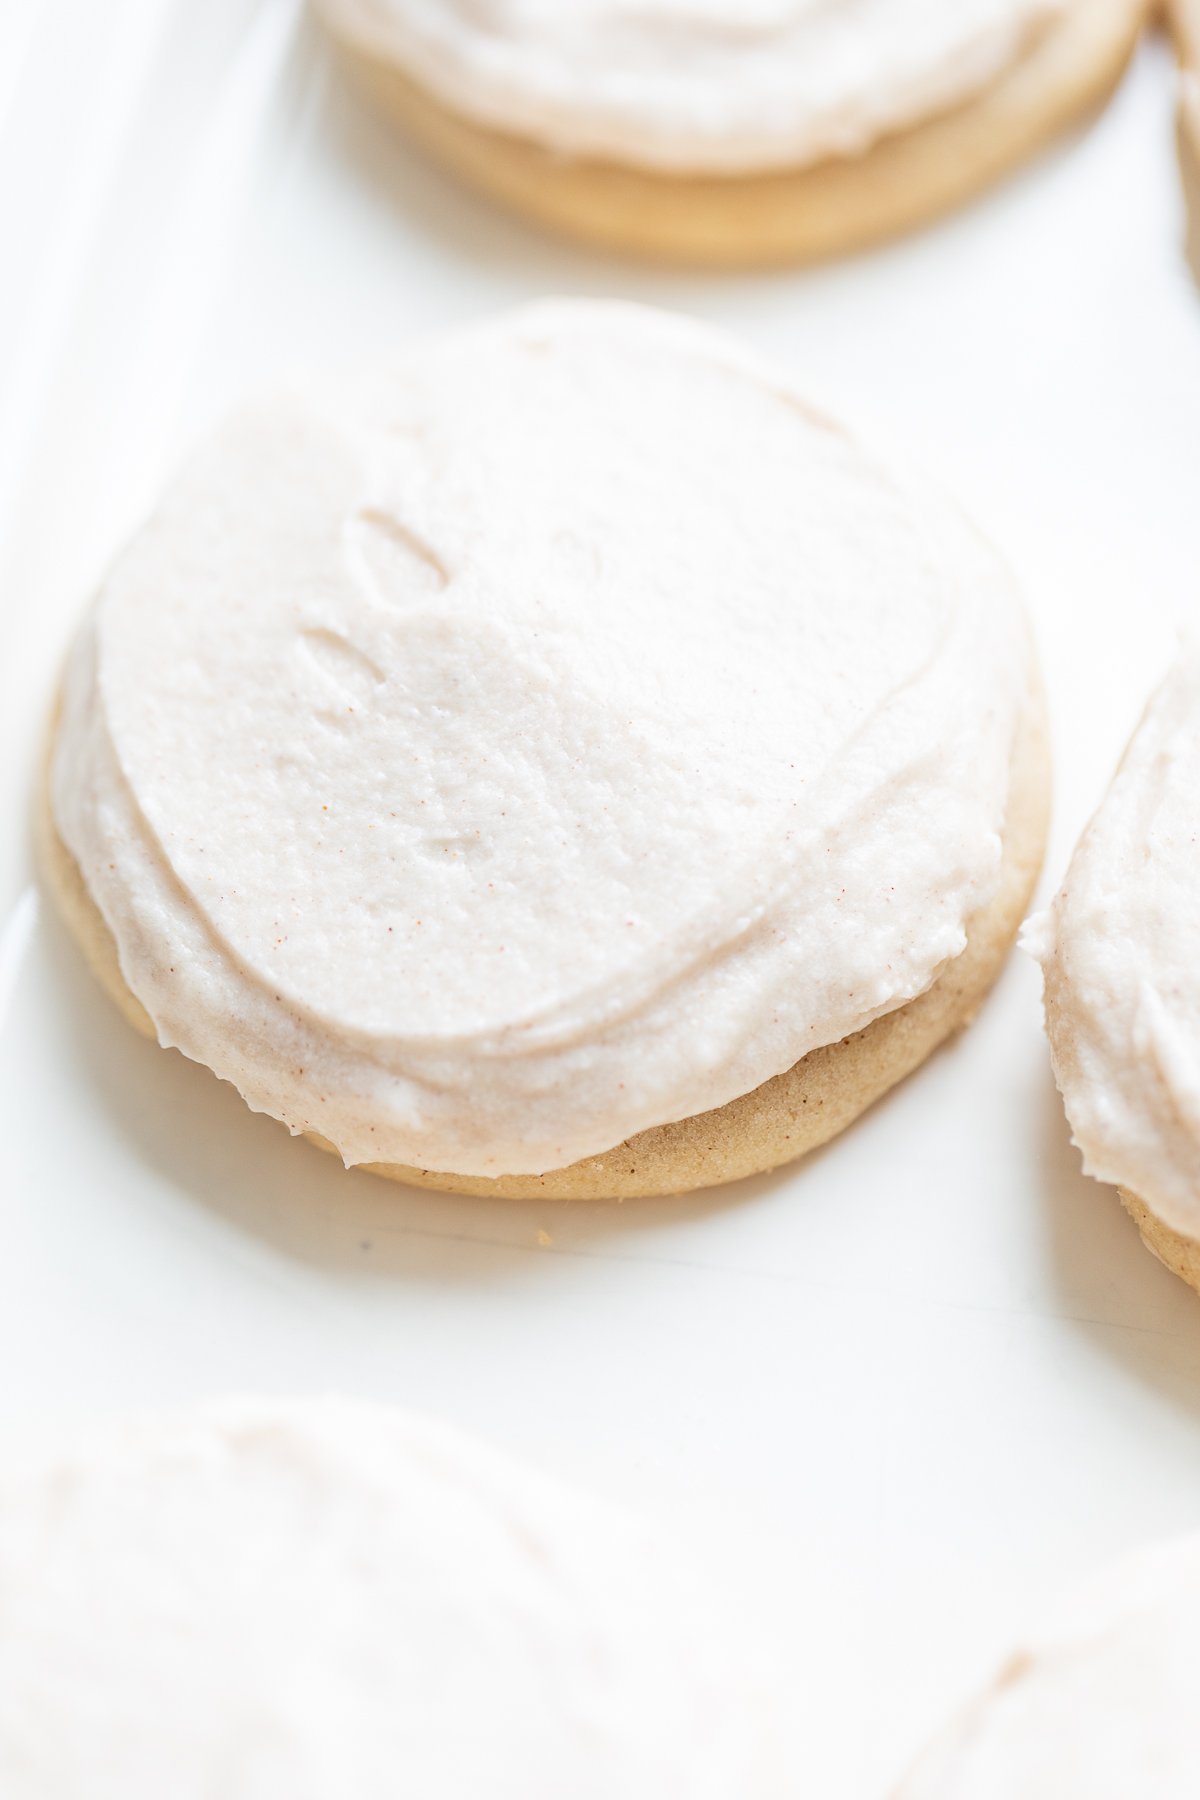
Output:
x=897 y=1395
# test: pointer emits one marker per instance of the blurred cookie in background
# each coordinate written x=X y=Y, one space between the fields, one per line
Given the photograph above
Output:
x=329 y=1597
x=736 y=131
x=1099 y=1704
x=1184 y=17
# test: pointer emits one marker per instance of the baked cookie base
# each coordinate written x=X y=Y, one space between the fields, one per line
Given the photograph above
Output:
x=1176 y=1252
x=775 y=1123
x=1183 y=17
x=788 y=216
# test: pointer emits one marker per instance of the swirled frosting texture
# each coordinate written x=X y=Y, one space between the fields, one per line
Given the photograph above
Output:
x=1119 y=952
x=1099 y=1705
x=322 y=1599
x=696 y=86
x=557 y=733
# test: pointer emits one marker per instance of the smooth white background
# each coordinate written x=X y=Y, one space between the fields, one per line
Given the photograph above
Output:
x=895 y=1397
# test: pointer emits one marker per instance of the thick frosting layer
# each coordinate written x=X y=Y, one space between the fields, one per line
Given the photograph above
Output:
x=1099 y=1705
x=554 y=734
x=322 y=1599
x=1118 y=948
x=694 y=86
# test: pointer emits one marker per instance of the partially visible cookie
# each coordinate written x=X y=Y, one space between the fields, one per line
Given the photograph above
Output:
x=1184 y=16
x=1120 y=952
x=1099 y=1704
x=960 y=95
x=329 y=1598
x=1176 y=1250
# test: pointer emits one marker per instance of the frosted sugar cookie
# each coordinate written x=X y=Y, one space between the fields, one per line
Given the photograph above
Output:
x=1120 y=951
x=556 y=762
x=1098 y=1705
x=327 y=1598
x=732 y=131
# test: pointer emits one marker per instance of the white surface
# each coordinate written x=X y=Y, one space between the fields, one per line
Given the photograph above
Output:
x=904 y=1390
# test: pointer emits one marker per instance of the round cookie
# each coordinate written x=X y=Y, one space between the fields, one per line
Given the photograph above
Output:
x=1097 y=1705
x=1122 y=1002
x=327 y=1597
x=836 y=204
x=683 y=813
